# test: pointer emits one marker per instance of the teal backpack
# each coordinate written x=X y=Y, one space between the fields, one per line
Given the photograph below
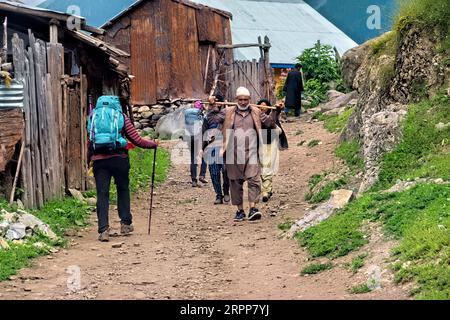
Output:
x=105 y=126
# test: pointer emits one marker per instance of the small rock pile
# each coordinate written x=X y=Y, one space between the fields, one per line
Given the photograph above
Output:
x=146 y=117
x=20 y=225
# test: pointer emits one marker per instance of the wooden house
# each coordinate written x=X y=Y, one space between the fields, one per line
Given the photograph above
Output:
x=174 y=49
x=61 y=68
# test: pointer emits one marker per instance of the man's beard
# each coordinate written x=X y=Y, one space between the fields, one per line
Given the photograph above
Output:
x=243 y=108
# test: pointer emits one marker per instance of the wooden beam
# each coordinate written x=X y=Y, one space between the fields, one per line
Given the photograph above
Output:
x=243 y=45
x=53 y=33
x=92 y=29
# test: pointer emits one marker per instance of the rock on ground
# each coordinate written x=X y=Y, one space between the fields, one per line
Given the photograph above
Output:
x=338 y=200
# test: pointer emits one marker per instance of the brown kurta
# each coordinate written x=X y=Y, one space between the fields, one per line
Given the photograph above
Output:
x=242 y=159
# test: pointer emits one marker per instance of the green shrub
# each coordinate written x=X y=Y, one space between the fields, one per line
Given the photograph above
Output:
x=361 y=288
x=316 y=268
x=316 y=91
x=319 y=63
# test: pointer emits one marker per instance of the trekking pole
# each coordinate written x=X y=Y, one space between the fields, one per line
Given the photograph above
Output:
x=153 y=187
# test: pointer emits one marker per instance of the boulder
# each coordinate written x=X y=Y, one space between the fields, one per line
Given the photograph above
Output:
x=382 y=132
x=91 y=201
x=147 y=114
x=9 y=217
x=339 y=102
x=137 y=125
x=144 y=109
x=334 y=94
x=352 y=60
x=30 y=221
x=335 y=112
x=158 y=109
x=20 y=204
x=77 y=195
x=338 y=200
x=4 y=225
x=171 y=126
x=16 y=231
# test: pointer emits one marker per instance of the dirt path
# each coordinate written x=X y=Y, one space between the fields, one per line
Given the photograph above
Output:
x=197 y=252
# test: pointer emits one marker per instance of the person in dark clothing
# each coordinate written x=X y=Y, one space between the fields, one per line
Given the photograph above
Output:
x=293 y=88
x=116 y=164
x=273 y=140
x=211 y=148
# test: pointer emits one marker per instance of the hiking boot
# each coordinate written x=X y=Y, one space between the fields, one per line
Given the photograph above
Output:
x=254 y=214
x=194 y=184
x=203 y=180
x=104 y=236
x=240 y=216
x=218 y=200
x=226 y=198
x=126 y=228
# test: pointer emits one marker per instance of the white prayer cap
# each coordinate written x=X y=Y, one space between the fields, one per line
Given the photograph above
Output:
x=241 y=91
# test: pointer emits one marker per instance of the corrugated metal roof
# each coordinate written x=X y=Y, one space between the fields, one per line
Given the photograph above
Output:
x=12 y=96
x=291 y=25
x=139 y=2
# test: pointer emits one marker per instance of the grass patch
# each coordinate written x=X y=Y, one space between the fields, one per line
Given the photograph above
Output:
x=432 y=166
x=325 y=192
x=285 y=226
x=337 y=123
x=301 y=143
x=424 y=13
x=349 y=151
x=418 y=218
x=420 y=140
x=340 y=234
x=315 y=180
x=141 y=161
x=357 y=263
x=298 y=132
x=142 y=166
x=60 y=215
x=359 y=289
x=384 y=44
x=313 y=143
x=316 y=268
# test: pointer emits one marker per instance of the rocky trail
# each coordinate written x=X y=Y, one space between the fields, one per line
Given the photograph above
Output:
x=196 y=251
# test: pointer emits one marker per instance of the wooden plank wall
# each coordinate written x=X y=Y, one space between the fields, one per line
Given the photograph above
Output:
x=55 y=117
x=249 y=74
x=169 y=48
x=143 y=65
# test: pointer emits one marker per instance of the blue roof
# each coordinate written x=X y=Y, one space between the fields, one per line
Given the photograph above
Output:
x=291 y=25
x=96 y=12
x=351 y=16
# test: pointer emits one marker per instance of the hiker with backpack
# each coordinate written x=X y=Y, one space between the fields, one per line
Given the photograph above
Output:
x=193 y=120
x=108 y=126
x=212 y=143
